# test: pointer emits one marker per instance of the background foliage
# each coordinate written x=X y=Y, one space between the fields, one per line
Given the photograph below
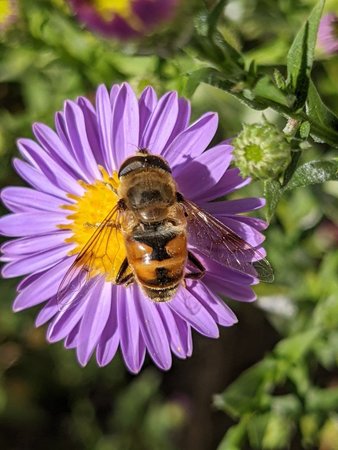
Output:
x=270 y=382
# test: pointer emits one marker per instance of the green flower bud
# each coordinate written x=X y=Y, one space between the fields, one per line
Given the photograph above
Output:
x=261 y=151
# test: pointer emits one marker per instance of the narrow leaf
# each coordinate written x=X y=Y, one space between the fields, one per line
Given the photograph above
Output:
x=290 y=170
x=319 y=113
x=273 y=191
x=300 y=56
x=214 y=15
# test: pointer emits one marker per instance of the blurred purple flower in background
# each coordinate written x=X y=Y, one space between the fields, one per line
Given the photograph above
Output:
x=89 y=144
x=328 y=33
x=124 y=19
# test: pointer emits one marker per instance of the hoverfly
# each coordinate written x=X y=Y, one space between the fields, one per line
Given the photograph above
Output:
x=156 y=223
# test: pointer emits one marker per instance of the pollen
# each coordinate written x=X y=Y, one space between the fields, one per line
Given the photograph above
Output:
x=95 y=227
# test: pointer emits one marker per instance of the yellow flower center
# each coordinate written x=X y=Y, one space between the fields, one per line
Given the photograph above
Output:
x=106 y=251
x=108 y=8
x=7 y=9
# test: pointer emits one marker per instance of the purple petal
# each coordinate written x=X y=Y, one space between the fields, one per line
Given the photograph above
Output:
x=129 y=328
x=183 y=119
x=192 y=141
x=113 y=94
x=54 y=146
x=207 y=168
x=161 y=123
x=93 y=321
x=147 y=104
x=125 y=138
x=72 y=338
x=27 y=281
x=225 y=208
x=220 y=312
x=246 y=232
x=77 y=135
x=152 y=329
x=47 y=312
x=225 y=273
x=104 y=121
x=44 y=287
x=31 y=224
x=61 y=129
x=20 y=199
x=31 y=245
x=72 y=313
x=178 y=332
x=48 y=166
x=38 y=180
x=253 y=222
x=229 y=182
x=110 y=338
x=188 y=308
x=229 y=289
x=92 y=129
x=40 y=261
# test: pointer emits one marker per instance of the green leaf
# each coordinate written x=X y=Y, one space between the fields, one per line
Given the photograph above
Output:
x=295 y=347
x=279 y=79
x=305 y=129
x=214 y=16
x=287 y=405
x=210 y=43
x=256 y=429
x=265 y=88
x=319 y=113
x=273 y=192
x=314 y=172
x=325 y=400
x=234 y=437
x=300 y=56
x=290 y=170
x=277 y=432
x=249 y=391
x=193 y=80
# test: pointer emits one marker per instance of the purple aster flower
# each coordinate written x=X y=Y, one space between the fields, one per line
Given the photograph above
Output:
x=52 y=218
x=328 y=33
x=123 y=19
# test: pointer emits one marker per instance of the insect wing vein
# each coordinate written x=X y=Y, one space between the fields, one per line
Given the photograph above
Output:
x=94 y=255
x=218 y=242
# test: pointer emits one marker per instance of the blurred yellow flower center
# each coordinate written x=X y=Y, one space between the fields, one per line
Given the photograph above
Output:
x=108 y=8
x=6 y=10
x=102 y=246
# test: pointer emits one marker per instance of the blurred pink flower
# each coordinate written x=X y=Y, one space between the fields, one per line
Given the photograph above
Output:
x=328 y=33
x=123 y=19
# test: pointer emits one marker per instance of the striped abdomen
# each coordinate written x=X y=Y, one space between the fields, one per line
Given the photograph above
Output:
x=158 y=254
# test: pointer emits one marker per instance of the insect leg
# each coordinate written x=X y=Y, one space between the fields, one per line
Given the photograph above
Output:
x=121 y=278
x=122 y=270
x=195 y=275
x=127 y=280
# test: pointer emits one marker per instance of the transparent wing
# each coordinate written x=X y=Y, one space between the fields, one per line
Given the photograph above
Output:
x=102 y=256
x=218 y=242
